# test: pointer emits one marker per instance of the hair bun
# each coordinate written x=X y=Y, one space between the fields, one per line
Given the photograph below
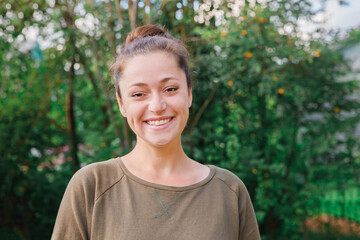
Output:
x=145 y=31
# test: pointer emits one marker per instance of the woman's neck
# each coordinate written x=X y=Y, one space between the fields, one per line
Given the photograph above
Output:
x=151 y=158
x=167 y=165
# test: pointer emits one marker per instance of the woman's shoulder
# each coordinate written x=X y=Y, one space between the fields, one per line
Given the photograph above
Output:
x=97 y=169
x=97 y=177
x=232 y=181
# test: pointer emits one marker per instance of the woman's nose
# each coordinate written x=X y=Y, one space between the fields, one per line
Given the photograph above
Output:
x=156 y=103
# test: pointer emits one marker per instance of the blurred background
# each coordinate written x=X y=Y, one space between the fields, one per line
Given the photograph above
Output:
x=276 y=101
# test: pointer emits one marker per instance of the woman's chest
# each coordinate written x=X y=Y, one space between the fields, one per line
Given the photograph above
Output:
x=156 y=214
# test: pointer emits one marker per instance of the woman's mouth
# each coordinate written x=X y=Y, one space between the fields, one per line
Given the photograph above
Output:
x=158 y=122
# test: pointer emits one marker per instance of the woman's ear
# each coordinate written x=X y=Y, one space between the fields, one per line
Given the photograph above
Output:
x=121 y=105
x=190 y=98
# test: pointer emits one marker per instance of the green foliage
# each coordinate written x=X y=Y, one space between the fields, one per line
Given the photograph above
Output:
x=342 y=204
x=330 y=235
x=271 y=107
x=280 y=114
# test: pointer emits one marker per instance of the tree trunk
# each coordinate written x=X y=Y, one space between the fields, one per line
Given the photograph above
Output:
x=90 y=74
x=92 y=79
x=68 y=16
x=147 y=16
x=119 y=11
x=133 y=9
x=105 y=93
x=110 y=34
x=71 y=116
x=98 y=59
x=111 y=39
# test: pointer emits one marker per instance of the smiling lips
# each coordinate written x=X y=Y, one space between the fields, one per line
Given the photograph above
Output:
x=158 y=122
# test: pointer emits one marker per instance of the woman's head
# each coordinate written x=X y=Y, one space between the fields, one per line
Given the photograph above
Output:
x=153 y=85
x=148 y=39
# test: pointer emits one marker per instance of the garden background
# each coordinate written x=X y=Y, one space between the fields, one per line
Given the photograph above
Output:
x=275 y=106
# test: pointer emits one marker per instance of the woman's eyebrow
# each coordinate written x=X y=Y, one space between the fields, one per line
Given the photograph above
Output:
x=140 y=84
x=162 y=81
x=167 y=79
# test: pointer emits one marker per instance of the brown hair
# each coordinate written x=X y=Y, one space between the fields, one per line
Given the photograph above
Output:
x=146 y=39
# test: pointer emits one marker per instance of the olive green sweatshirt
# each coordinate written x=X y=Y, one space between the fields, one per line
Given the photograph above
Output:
x=104 y=201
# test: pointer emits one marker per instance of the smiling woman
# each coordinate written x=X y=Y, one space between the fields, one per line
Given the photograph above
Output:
x=155 y=99
x=156 y=191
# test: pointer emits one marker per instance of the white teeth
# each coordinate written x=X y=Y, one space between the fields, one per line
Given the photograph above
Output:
x=158 y=122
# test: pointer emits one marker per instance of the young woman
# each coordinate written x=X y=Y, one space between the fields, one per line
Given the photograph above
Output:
x=155 y=191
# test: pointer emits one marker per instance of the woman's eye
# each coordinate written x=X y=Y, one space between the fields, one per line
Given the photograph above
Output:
x=137 y=95
x=171 y=89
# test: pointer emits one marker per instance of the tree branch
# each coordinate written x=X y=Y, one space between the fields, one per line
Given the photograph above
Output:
x=203 y=107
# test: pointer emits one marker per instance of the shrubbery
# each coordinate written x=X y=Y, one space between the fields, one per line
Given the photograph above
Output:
x=269 y=106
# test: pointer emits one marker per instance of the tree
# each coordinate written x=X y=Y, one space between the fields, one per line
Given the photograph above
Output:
x=268 y=105
x=276 y=114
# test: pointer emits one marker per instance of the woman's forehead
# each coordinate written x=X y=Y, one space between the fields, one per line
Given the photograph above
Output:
x=150 y=58
x=158 y=66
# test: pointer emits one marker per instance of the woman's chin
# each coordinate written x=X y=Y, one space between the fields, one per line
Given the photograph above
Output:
x=160 y=142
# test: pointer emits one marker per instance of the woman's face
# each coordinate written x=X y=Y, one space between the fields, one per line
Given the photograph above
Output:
x=155 y=98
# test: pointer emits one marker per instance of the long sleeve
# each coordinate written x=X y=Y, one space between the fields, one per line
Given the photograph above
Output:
x=248 y=229
x=74 y=217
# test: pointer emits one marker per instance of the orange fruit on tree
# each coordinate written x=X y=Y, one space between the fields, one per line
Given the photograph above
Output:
x=248 y=54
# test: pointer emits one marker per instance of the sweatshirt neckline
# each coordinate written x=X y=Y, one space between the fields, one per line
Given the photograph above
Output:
x=167 y=187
